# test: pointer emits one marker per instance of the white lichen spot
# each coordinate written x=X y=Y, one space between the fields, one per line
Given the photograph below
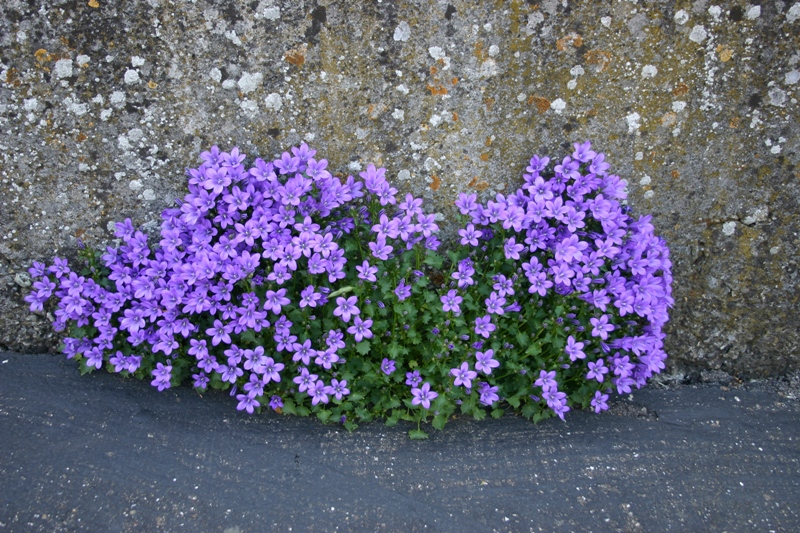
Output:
x=437 y=53
x=633 y=122
x=649 y=71
x=105 y=114
x=74 y=106
x=775 y=150
x=361 y=134
x=605 y=21
x=402 y=88
x=645 y=180
x=229 y=84
x=99 y=99
x=149 y=195
x=648 y=194
x=135 y=134
x=249 y=82
x=638 y=156
x=494 y=50
x=137 y=61
x=118 y=98
x=232 y=37
x=678 y=106
x=577 y=71
x=431 y=164
x=777 y=97
x=310 y=137
x=215 y=74
x=132 y=76
x=135 y=185
x=399 y=114
x=558 y=105
x=698 y=34
x=273 y=101
x=571 y=84
x=402 y=32
x=534 y=19
x=729 y=228
x=774 y=250
x=404 y=175
x=63 y=68
x=22 y=37
x=753 y=13
x=793 y=13
x=715 y=12
x=272 y=13
x=792 y=77
x=355 y=166
x=681 y=17
x=488 y=69
x=760 y=214
x=435 y=120
x=111 y=226
x=249 y=107
x=82 y=60
x=30 y=104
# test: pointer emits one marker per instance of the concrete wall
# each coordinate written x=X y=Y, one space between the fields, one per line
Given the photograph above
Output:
x=103 y=104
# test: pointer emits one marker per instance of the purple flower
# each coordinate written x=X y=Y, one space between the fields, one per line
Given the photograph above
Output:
x=220 y=333
x=470 y=235
x=597 y=370
x=601 y=327
x=486 y=361
x=451 y=301
x=413 y=378
x=599 y=402
x=547 y=380
x=318 y=392
x=484 y=326
x=309 y=298
x=512 y=249
x=380 y=249
x=326 y=358
x=495 y=303
x=402 y=291
x=367 y=272
x=338 y=388
x=247 y=402
x=275 y=403
x=463 y=375
x=345 y=308
x=574 y=349
x=162 y=376
x=360 y=329
x=488 y=393
x=275 y=300
x=423 y=395
x=305 y=380
x=387 y=366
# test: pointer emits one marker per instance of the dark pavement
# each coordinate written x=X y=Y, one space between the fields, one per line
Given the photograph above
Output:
x=100 y=453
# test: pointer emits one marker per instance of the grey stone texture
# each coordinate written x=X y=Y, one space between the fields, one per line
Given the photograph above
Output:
x=103 y=104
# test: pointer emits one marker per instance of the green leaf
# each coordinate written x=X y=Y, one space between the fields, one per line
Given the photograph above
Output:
x=439 y=421
x=350 y=426
x=363 y=347
x=324 y=415
x=433 y=259
x=302 y=410
x=513 y=401
x=478 y=414
x=393 y=420
x=289 y=407
x=417 y=434
x=497 y=413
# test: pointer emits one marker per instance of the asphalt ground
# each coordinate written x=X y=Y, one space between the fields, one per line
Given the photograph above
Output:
x=101 y=453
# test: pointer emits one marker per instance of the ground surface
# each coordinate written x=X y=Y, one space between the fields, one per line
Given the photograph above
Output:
x=99 y=453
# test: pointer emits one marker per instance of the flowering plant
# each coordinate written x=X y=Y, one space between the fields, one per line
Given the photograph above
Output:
x=308 y=293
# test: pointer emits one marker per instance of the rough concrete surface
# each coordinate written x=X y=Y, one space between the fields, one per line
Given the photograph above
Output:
x=103 y=104
x=99 y=453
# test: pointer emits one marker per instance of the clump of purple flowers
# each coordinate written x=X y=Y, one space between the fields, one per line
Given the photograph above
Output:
x=309 y=293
